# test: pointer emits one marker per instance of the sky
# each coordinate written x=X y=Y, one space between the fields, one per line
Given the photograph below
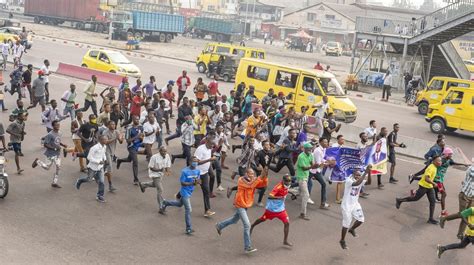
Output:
x=415 y=2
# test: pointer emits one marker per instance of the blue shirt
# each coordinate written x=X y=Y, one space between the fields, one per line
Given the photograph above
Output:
x=247 y=105
x=132 y=132
x=188 y=175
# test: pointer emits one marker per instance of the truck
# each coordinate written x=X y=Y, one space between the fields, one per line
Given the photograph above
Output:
x=151 y=25
x=83 y=15
x=219 y=29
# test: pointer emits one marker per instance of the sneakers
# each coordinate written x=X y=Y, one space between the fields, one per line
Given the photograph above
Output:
x=64 y=152
x=35 y=163
x=338 y=201
x=209 y=213
x=135 y=182
x=310 y=201
x=393 y=180
x=250 y=250
x=439 y=251
x=219 y=231
x=432 y=221
x=220 y=188
x=304 y=217
x=55 y=185
x=380 y=186
x=74 y=156
x=364 y=195
x=294 y=190
x=189 y=231
x=162 y=210
x=77 y=185
x=324 y=206
x=353 y=233
x=112 y=188
x=397 y=203
x=442 y=221
x=343 y=244
x=444 y=213
x=100 y=199
x=141 y=187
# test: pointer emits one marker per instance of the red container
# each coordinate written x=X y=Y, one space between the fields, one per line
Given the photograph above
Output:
x=78 y=10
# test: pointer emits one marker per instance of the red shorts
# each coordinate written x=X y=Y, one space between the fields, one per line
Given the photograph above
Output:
x=440 y=187
x=283 y=216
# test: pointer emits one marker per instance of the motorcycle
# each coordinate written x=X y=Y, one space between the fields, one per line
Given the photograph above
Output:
x=3 y=177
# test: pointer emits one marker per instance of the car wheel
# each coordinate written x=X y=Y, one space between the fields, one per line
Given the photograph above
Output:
x=423 y=108
x=437 y=125
x=37 y=20
x=84 y=65
x=201 y=68
x=226 y=78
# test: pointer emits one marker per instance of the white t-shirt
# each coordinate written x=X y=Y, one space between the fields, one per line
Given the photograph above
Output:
x=351 y=194
x=371 y=132
x=45 y=70
x=148 y=128
x=18 y=50
x=387 y=80
x=203 y=153
x=5 y=48
x=322 y=108
x=160 y=162
x=318 y=155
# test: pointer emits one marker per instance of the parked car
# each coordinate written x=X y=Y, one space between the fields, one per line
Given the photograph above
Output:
x=111 y=62
x=16 y=31
x=333 y=48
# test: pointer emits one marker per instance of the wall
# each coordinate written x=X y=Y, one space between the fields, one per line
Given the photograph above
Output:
x=320 y=18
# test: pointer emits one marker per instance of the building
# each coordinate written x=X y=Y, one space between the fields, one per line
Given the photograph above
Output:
x=259 y=12
x=229 y=7
x=336 y=22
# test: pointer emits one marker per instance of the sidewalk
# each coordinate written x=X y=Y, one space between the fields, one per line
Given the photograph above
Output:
x=375 y=93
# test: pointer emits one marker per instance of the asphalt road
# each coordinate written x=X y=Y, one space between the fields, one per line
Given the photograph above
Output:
x=43 y=225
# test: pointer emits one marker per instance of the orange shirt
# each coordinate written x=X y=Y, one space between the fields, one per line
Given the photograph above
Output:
x=245 y=192
x=252 y=123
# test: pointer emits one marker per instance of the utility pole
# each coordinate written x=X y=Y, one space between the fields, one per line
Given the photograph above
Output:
x=111 y=27
x=253 y=15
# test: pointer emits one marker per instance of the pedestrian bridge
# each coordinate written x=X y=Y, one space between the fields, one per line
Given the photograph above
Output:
x=428 y=36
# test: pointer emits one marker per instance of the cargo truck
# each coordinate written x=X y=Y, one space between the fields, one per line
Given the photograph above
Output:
x=89 y=15
x=219 y=29
x=151 y=25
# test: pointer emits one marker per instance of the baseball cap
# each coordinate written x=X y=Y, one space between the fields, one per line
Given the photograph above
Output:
x=307 y=145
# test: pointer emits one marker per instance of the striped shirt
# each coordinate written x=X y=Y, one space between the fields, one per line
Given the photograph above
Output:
x=187 y=136
x=467 y=186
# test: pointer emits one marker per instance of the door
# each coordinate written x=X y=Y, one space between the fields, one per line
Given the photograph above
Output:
x=103 y=63
x=308 y=93
x=452 y=108
x=467 y=120
x=206 y=55
x=91 y=59
x=434 y=91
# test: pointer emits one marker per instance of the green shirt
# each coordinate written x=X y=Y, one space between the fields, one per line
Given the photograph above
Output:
x=441 y=171
x=304 y=161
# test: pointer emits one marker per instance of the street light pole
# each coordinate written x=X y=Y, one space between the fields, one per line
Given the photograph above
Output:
x=111 y=27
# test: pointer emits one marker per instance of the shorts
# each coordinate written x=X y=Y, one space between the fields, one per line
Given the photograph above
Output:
x=440 y=186
x=283 y=216
x=16 y=147
x=347 y=215
x=391 y=158
x=108 y=163
x=41 y=100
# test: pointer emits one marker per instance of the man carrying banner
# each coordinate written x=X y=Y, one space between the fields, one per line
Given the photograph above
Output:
x=350 y=204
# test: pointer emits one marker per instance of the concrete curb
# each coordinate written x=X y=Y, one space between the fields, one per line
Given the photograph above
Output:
x=92 y=45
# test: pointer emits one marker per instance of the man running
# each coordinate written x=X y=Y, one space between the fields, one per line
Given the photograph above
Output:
x=350 y=205
x=467 y=217
x=275 y=207
x=243 y=200
x=158 y=167
x=53 y=144
x=426 y=185
x=16 y=129
x=113 y=136
x=189 y=179
x=97 y=159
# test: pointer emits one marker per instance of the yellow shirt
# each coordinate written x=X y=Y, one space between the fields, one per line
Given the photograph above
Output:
x=200 y=127
x=469 y=215
x=431 y=172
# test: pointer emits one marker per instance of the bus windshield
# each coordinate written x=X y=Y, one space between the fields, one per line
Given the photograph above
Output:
x=331 y=86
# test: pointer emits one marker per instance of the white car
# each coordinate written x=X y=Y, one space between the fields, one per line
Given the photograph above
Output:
x=333 y=48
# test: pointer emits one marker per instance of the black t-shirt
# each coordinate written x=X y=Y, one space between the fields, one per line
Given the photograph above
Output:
x=116 y=117
x=330 y=126
x=88 y=131
x=392 y=138
x=27 y=77
x=264 y=158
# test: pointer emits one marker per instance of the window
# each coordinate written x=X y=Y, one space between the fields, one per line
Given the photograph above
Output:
x=258 y=73
x=93 y=54
x=211 y=8
x=261 y=55
x=330 y=17
x=436 y=85
x=210 y=48
x=456 y=84
x=311 y=17
x=223 y=50
x=331 y=86
x=239 y=52
x=103 y=57
x=454 y=97
x=286 y=79
x=472 y=101
x=309 y=85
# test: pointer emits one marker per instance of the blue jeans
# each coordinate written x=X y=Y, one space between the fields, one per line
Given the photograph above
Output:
x=240 y=213
x=186 y=201
x=71 y=111
x=99 y=178
x=319 y=177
